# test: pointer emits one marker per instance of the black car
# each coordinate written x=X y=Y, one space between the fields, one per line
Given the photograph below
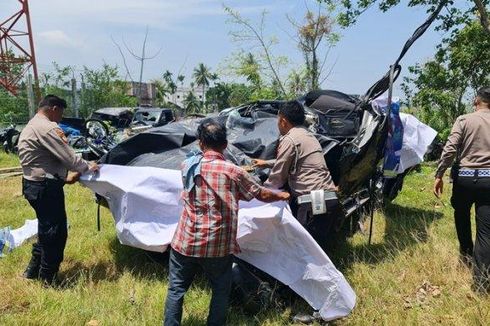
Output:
x=153 y=117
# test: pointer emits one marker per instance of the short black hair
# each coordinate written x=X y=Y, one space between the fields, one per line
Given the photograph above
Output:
x=484 y=94
x=52 y=100
x=212 y=133
x=294 y=112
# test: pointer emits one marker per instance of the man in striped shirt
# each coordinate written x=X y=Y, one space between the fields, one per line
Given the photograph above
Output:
x=206 y=234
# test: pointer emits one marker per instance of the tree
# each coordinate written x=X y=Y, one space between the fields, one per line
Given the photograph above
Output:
x=314 y=35
x=170 y=83
x=440 y=87
x=458 y=13
x=249 y=68
x=255 y=35
x=240 y=94
x=191 y=103
x=103 y=88
x=13 y=109
x=161 y=91
x=202 y=76
x=100 y=87
x=297 y=83
x=219 y=95
x=180 y=79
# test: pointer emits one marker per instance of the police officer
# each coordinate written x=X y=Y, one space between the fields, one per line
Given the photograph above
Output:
x=301 y=166
x=46 y=158
x=469 y=144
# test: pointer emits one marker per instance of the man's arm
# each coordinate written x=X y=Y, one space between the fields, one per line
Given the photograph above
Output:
x=280 y=171
x=258 y=163
x=450 y=149
x=268 y=196
x=55 y=143
x=249 y=189
x=447 y=157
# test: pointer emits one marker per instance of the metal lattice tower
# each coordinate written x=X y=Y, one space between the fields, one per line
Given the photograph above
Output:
x=16 y=53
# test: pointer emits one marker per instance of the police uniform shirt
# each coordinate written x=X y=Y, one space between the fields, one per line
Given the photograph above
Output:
x=300 y=163
x=470 y=141
x=44 y=149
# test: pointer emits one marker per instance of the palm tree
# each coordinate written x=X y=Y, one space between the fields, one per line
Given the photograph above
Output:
x=161 y=92
x=191 y=103
x=180 y=79
x=167 y=77
x=250 y=69
x=202 y=76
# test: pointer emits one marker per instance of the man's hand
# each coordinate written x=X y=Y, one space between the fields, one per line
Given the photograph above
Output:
x=438 y=187
x=258 y=163
x=72 y=177
x=284 y=195
x=269 y=196
x=93 y=167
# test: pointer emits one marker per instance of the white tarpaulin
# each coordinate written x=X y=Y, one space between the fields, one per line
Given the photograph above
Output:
x=145 y=204
x=417 y=138
x=10 y=239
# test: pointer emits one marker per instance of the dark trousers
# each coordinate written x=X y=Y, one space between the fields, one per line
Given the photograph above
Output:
x=466 y=192
x=48 y=200
x=182 y=270
x=321 y=227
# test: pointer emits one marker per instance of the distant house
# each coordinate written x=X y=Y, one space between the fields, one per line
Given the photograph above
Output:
x=180 y=94
x=146 y=93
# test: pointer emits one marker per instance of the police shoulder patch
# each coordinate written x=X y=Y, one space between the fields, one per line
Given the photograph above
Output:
x=61 y=134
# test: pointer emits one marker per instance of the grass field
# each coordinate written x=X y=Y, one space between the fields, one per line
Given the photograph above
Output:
x=409 y=275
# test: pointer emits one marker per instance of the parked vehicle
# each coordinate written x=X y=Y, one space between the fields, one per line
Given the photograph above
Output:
x=9 y=138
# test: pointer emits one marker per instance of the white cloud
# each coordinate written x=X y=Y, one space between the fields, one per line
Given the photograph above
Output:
x=58 y=38
x=158 y=14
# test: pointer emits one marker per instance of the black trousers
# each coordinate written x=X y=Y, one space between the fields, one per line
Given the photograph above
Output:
x=321 y=227
x=48 y=200
x=466 y=192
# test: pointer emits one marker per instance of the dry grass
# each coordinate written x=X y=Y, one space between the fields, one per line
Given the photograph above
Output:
x=409 y=275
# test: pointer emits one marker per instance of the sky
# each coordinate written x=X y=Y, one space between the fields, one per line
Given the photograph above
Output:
x=79 y=32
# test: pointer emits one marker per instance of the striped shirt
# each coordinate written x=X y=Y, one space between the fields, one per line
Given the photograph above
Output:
x=208 y=224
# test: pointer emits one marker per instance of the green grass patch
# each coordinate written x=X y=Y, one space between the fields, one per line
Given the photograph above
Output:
x=409 y=275
x=8 y=160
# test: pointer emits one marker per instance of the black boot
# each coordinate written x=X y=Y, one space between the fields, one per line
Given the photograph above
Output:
x=32 y=270
x=49 y=276
x=307 y=319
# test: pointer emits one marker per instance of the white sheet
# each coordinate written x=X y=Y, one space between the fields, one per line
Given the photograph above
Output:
x=417 y=138
x=145 y=204
x=11 y=239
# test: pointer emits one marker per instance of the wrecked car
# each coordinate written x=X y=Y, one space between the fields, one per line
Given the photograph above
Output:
x=361 y=138
x=107 y=127
x=349 y=132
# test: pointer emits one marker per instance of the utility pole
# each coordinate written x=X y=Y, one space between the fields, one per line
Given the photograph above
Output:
x=74 y=103
x=30 y=97
x=82 y=94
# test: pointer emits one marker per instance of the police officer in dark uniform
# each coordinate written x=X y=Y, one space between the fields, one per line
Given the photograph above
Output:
x=469 y=144
x=46 y=158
